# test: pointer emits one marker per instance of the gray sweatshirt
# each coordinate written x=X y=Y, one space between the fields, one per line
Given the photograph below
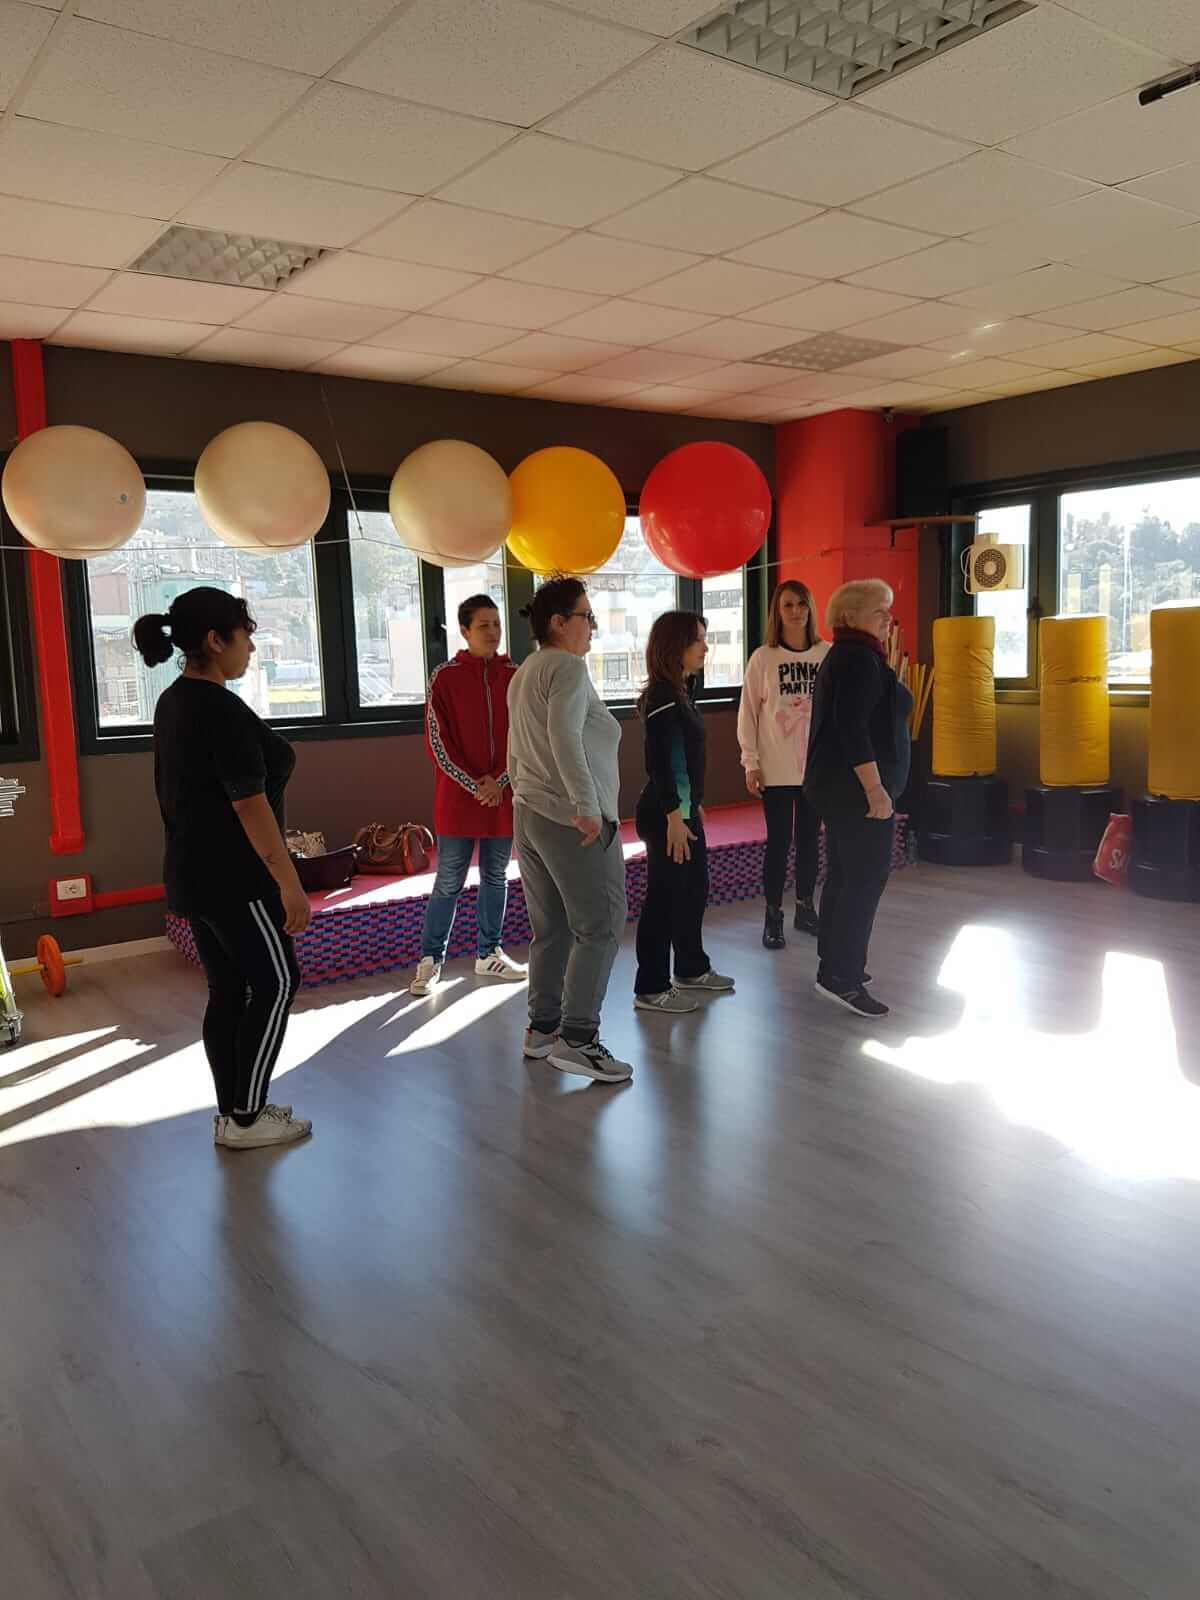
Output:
x=562 y=740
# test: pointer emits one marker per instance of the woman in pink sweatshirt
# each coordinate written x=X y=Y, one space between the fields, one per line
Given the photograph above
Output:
x=773 y=726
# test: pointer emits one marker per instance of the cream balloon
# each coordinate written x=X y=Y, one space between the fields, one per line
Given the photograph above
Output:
x=262 y=487
x=451 y=503
x=74 y=492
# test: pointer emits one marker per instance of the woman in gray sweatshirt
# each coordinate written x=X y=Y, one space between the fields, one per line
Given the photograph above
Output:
x=562 y=764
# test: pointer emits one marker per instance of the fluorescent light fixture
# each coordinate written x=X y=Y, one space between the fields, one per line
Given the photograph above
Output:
x=206 y=256
x=825 y=351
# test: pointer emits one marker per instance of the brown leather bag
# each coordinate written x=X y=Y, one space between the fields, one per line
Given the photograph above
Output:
x=397 y=851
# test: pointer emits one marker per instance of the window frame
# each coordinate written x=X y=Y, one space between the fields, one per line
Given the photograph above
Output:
x=19 y=741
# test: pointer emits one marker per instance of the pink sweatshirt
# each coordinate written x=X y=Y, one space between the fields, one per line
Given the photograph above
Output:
x=776 y=708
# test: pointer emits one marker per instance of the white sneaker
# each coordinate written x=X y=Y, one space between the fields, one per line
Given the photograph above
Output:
x=273 y=1125
x=427 y=974
x=498 y=965
x=219 y=1122
x=538 y=1045
x=670 y=1000
x=589 y=1061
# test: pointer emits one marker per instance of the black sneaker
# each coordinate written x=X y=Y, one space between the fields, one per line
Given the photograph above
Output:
x=773 y=929
x=805 y=920
x=856 y=1000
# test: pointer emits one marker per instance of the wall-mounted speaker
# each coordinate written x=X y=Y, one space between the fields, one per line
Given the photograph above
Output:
x=923 y=473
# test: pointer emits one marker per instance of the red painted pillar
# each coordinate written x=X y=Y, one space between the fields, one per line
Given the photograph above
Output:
x=49 y=630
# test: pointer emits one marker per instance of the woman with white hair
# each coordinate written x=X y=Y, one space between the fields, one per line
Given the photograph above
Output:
x=858 y=759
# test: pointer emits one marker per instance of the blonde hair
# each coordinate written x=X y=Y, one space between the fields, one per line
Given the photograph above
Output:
x=852 y=598
x=775 y=621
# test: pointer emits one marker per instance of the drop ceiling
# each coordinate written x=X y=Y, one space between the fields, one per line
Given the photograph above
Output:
x=569 y=201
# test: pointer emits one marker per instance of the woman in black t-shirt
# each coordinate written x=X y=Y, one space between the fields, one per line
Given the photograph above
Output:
x=220 y=773
x=670 y=821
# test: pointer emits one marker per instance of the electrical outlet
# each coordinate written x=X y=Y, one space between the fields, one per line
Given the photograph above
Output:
x=71 y=897
x=72 y=888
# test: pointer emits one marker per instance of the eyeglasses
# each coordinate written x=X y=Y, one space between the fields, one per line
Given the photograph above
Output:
x=591 y=619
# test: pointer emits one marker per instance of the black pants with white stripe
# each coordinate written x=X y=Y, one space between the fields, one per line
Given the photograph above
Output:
x=252 y=980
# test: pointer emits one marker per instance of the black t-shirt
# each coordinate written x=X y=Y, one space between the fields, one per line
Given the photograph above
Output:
x=210 y=749
x=860 y=714
x=675 y=756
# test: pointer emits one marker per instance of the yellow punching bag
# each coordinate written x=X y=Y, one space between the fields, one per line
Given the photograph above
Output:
x=1074 y=714
x=1175 y=702
x=964 y=697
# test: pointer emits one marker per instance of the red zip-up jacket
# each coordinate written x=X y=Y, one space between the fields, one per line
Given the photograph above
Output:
x=466 y=734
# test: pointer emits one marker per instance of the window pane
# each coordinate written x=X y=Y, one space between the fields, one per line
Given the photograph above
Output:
x=486 y=577
x=626 y=596
x=388 y=634
x=174 y=551
x=1010 y=607
x=724 y=601
x=1123 y=551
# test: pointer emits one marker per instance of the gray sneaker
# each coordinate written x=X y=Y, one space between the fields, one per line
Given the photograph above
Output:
x=670 y=1001
x=589 y=1061
x=713 y=982
x=538 y=1045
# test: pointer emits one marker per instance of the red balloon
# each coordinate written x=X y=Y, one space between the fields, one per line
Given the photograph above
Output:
x=705 y=509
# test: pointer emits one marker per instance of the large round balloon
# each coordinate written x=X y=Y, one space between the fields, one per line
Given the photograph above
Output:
x=568 y=511
x=705 y=509
x=262 y=487
x=74 y=492
x=451 y=503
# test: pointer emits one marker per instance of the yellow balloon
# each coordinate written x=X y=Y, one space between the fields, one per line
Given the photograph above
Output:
x=568 y=511
x=74 y=492
x=262 y=487
x=450 y=503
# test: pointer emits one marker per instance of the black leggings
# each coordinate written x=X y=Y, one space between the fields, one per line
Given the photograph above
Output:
x=789 y=817
x=672 y=916
x=252 y=980
x=860 y=859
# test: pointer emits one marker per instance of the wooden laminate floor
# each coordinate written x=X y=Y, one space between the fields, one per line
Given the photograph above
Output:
x=814 y=1309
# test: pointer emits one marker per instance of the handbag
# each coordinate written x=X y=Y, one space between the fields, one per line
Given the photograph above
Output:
x=333 y=870
x=400 y=851
x=300 y=843
x=1116 y=847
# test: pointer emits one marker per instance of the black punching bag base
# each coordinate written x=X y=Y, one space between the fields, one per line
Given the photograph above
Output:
x=1166 y=849
x=1063 y=829
x=965 y=823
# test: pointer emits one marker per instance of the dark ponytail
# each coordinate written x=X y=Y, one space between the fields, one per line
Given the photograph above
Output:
x=557 y=597
x=193 y=616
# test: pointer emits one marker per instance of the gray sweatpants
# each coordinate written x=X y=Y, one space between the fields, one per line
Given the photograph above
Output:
x=575 y=896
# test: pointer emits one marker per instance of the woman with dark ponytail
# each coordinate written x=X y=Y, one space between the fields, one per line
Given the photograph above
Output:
x=220 y=773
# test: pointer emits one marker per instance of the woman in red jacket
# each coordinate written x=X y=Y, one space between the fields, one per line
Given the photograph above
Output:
x=466 y=733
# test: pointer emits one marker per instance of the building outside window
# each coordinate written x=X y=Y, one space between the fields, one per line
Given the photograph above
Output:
x=388 y=630
x=626 y=595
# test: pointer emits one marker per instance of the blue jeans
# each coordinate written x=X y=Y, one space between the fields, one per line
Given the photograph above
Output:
x=453 y=863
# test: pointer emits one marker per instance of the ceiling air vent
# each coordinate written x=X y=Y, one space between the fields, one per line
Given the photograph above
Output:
x=825 y=351
x=238 y=258
x=842 y=47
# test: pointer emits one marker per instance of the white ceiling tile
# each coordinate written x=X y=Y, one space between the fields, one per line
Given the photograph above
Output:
x=43 y=161
x=1142 y=363
x=744 y=407
x=365 y=138
x=582 y=389
x=1046 y=380
x=947 y=267
x=956 y=400
x=600 y=265
x=1176 y=186
x=517 y=305
x=727 y=340
x=44 y=283
x=1104 y=217
x=841 y=156
x=509 y=60
x=627 y=322
x=834 y=244
x=549 y=180
x=671 y=397
x=1125 y=306
x=23 y=31
x=1147 y=260
x=651 y=366
x=368 y=361
x=69 y=234
x=305 y=35
x=28 y=321
x=702 y=215
x=555 y=351
x=1038 y=66
x=1187 y=283
x=662 y=17
x=816 y=386
x=899 y=364
x=1171 y=330
x=139 y=294
x=291 y=206
x=1001 y=338
x=488 y=377
x=829 y=306
x=739 y=377
x=898 y=394
x=302 y=318
x=186 y=98
x=918 y=324
x=725 y=288
x=1039 y=290
x=1172 y=26
x=1117 y=140
x=985 y=189
x=442 y=336
x=96 y=330
x=1088 y=347
x=983 y=373
x=665 y=108
x=245 y=349
x=371 y=281
x=439 y=235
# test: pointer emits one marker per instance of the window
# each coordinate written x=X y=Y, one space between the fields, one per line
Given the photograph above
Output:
x=1010 y=607
x=626 y=595
x=174 y=551
x=389 y=631
x=486 y=577
x=723 y=603
x=18 y=717
x=1123 y=550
